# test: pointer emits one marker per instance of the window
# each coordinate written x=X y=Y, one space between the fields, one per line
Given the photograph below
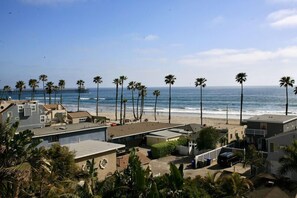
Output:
x=33 y=107
x=42 y=119
x=82 y=119
x=17 y=118
x=9 y=114
x=20 y=108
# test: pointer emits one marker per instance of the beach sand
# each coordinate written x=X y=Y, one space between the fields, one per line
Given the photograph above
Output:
x=232 y=126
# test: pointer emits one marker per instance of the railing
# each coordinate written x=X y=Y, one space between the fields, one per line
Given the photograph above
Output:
x=261 y=132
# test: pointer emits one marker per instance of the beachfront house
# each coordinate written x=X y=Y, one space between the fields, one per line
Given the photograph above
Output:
x=88 y=140
x=261 y=127
x=28 y=113
x=79 y=117
x=56 y=114
x=162 y=136
x=275 y=152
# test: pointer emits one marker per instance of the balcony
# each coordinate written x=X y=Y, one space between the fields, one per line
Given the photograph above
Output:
x=260 y=132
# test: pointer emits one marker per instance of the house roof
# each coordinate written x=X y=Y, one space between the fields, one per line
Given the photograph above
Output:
x=164 y=134
x=5 y=104
x=92 y=147
x=268 y=192
x=193 y=127
x=282 y=134
x=281 y=119
x=53 y=106
x=79 y=114
x=63 y=129
x=122 y=161
x=138 y=128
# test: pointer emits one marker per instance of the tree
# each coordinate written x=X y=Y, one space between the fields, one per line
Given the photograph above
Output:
x=241 y=78
x=55 y=89
x=97 y=80
x=286 y=81
x=122 y=79
x=43 y=78
x=200 y=82
x=132 y=87
x=117 y=82
x=124 y=116
x=33 y=83
x=49 y=90
x=7 y=89
x=138 y=86
x=143 y=93
x=80 y=84
x=156 y=93
x=20 y=85
x=289 y=160
x=61 y=87
x=170 y=79
x=208 y=138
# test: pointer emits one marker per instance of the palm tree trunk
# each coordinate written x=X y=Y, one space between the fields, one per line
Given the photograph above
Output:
x=141 y=107
x=49 y=99
x=44 y=99
x=133 y=104
x=97 y=99
x=124 y=117
x=169 y=117
x=121 y=110
x=287 y=101
x=137 y=107
x=241 y=103
x=19 y=95
x=155 y=110
x=78 y=99
x=61 y=97
x=33 y=93
x=116 y=105
x=201 y=119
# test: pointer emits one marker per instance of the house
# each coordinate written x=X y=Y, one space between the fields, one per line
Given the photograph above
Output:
x=133 y=135
x=56 y=114
x=103 y=153
x=28 y=113
x=162 y=136
x=275 y=152
x=79 y=117
x=123 y=160
x=264 y=126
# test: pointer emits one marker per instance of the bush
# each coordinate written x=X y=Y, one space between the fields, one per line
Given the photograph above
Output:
x=166 y=148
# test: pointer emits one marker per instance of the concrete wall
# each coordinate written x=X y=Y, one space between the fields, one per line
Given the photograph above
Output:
x=110 y=167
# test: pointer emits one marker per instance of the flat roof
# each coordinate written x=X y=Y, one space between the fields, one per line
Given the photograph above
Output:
x=165 y=134
x=272 y=118
x=92 y=147
x=70 y=128
x=138 y=128
x=282 y=134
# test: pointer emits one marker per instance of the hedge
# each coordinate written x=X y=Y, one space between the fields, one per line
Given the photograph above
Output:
x=166 y=148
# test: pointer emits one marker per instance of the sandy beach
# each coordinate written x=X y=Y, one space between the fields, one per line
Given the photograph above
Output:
x=232 y=126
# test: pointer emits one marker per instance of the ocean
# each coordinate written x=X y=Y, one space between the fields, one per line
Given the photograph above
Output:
x=186 y=100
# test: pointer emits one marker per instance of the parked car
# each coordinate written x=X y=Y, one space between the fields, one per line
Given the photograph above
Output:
x=228 y=159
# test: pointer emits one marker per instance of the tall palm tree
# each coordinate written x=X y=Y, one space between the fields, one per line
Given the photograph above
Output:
x=143 y=93
x=124 y=116
x=33 y=83
x=117 y=82
x=156 y=93
x=138 y=86
x=241 y=78
x=7 y=89
x=55 y=89
x=286 y=82
x=61 y=87
x=200 y=82
x=80 y=84
x=132 y=87
x=49 y=89
x=170 y=79
x=20 y=85
x=122 y=79
x=43 y=78
x=97 y=80
x=289 y=160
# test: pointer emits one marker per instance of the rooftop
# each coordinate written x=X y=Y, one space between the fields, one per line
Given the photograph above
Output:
x=54 y=107
x=79 y=114
x=92 y=147
x=122 y=161
x=165 y=134
x=70 y=128
x=138 y=128
x=282 y=119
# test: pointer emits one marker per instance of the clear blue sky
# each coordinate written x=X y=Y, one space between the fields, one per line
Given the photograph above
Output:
x=148 y=39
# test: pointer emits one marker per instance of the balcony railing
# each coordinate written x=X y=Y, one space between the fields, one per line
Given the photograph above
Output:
x=261 y=132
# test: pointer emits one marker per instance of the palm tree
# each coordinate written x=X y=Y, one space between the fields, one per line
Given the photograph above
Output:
x=157 y=94
x=97 y=80
x=132 y=86
x=289 y=160
x=286 y=82
x=170 y=79
x=138 y=86
x=33 y=83
x=143 y=93
x=20 y=85
x=49 y=89
x=124 y=116
x=122 y=78
x=61 y=87
x=80 y=84
x=241 y=78
x=43 y=78
x=200 y=82
x=7 y=89
x=117 y=82
x=55 y=89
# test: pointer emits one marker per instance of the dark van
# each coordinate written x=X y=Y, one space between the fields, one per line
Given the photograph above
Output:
x=228 y=159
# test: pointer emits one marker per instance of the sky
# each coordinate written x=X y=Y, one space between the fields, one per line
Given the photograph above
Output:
x=146 y=40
